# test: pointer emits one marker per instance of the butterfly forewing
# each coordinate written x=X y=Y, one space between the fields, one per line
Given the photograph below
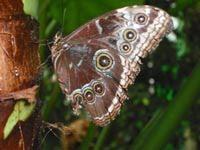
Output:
x=97 y=62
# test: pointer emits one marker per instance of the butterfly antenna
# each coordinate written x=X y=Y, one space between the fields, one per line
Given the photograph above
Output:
x=63 y=13
x=63 y=19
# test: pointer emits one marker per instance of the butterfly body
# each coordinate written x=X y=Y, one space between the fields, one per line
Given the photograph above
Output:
x=96 y=63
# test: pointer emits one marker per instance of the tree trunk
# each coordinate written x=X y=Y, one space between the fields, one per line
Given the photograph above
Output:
x=19 y=71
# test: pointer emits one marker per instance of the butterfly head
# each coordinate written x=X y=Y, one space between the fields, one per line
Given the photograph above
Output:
x=57 y=37
x=58 y=45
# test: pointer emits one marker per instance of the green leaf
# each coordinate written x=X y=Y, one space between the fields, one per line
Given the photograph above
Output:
x=21 y=112
x=31 y=7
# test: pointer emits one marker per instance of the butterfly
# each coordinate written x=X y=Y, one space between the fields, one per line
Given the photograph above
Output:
x=96 y=63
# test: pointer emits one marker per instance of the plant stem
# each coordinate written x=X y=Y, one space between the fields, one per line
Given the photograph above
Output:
x=157 y=133
x=89 y=137
x=101 y=138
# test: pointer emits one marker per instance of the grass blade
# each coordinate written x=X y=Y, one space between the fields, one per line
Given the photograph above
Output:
x=156 y=135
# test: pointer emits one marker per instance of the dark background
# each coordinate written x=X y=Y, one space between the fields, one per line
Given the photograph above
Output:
x=163 y=75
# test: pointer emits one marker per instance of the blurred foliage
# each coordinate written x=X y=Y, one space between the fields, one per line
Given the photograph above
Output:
x=31 y=7
x=163 y=74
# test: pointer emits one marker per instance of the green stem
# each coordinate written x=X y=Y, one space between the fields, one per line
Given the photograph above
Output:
x=51 y=103
x=101 y=138
x=89 y=137
x=157 y=133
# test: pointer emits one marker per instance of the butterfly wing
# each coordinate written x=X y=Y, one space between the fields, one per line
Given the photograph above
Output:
x=96 y=63
x=97 y=89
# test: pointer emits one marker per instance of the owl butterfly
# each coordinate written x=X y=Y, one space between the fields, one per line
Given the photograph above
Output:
x=96 y=63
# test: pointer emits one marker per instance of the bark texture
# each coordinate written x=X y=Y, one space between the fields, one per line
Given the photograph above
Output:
x=19 y=70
